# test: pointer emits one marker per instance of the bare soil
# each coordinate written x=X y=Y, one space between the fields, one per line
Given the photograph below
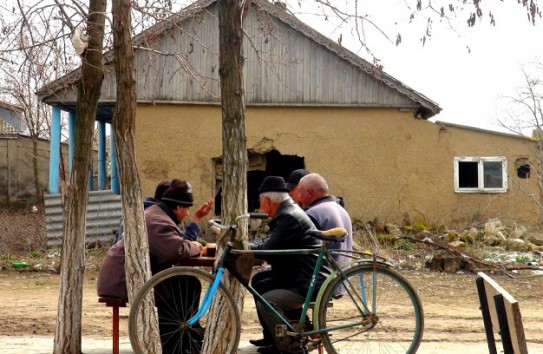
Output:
x=30 y=295
x=450 y=303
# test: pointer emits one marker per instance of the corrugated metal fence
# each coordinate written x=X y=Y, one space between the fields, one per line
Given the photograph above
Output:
x=103 y=216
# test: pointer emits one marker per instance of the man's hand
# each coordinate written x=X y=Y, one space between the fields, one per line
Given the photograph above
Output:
x=203 y=210
x=199 y=246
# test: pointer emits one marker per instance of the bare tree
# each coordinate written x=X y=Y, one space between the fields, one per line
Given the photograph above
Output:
x=235 y=161
x=137 y=263
x=68 y=331
x=29 y=61
x=524 y=116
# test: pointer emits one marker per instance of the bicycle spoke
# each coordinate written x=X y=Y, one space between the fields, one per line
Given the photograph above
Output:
x=394 y=323
x=177 y=298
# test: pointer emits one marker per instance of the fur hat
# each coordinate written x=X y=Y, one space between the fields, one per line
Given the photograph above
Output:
x=179 y=193
x=273 y=184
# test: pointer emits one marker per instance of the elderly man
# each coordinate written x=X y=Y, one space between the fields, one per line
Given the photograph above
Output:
x=325 y=211
x=286 y=284
x=167 y=246
x=292 y=183
x=147 y=202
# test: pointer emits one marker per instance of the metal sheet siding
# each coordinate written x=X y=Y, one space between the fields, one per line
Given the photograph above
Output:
x=103 y=215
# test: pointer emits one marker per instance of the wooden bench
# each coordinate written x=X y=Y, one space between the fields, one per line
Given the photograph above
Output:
x=501 y=315
x=114 y=303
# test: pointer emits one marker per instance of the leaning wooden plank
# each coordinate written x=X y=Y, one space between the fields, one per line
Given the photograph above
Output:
x=516 y=328
x=511 y=329
x=505 y=330
x=486 y=315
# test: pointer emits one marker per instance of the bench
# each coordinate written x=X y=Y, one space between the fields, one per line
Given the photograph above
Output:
x=114 y=303
x=501 y=314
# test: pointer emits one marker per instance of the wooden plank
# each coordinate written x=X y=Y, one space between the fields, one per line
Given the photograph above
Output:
x=503 y=324
x=491 y=341
x=503 y=314
x=514 y=323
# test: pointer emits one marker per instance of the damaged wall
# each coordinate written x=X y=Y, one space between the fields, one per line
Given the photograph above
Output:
x=384 y=162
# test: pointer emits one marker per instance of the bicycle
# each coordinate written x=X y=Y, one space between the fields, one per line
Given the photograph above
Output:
x=379 y=313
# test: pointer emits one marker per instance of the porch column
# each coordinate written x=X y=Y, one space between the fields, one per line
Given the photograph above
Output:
x=54 y=150
x=71 y=132
x=102 y=155
x=114 y=175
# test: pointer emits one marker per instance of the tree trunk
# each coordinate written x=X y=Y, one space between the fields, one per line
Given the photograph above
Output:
x=68 y=330
x=234 y=196
x=137 y=263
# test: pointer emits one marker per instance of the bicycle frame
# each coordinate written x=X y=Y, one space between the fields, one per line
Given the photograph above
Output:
x=323 y=254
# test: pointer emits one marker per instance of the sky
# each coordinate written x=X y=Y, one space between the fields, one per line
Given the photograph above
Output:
x=470 y=85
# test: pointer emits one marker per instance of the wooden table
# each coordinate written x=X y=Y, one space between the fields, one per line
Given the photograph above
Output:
x=198 y=262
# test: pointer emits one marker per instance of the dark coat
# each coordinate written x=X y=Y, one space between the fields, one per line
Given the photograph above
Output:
x=167 y=247
x=288 y=227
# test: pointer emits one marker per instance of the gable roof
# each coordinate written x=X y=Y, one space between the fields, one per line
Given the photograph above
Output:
x=360 y=72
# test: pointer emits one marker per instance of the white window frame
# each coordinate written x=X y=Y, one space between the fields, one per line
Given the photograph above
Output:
x=480 y=174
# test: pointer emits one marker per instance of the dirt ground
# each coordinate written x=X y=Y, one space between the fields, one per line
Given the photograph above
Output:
x=453 y=322
x=450 y=304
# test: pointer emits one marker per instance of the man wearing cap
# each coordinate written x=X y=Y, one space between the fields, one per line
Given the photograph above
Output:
x=167 y=243
x=292 y=183
x=288 y=280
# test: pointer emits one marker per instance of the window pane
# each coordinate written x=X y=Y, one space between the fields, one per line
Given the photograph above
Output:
x=492 y=172
x=467 y=174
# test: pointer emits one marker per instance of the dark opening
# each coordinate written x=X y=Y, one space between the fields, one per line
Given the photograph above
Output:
x=523 y=171
x=467 y=174
x=274 y=164
x=523 y=168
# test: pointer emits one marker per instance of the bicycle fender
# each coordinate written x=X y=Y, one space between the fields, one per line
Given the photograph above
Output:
x=332 y=276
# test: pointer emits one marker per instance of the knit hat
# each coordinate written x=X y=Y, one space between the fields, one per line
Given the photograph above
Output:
x=295 y=177
x=273 y=184
x=180 y=193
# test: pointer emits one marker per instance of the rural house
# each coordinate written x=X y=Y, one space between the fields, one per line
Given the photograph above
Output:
x=310 y=103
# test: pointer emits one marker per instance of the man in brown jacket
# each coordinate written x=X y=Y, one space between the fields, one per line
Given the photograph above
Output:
x=167 y=246
x=167 y=243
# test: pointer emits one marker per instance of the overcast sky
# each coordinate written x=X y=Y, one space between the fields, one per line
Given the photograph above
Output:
x=467 y=84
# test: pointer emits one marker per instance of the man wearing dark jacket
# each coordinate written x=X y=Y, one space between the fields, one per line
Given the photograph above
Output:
x=286 y=284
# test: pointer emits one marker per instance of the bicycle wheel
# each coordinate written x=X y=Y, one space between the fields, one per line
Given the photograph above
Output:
x=178 y=293
x=379 y=312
